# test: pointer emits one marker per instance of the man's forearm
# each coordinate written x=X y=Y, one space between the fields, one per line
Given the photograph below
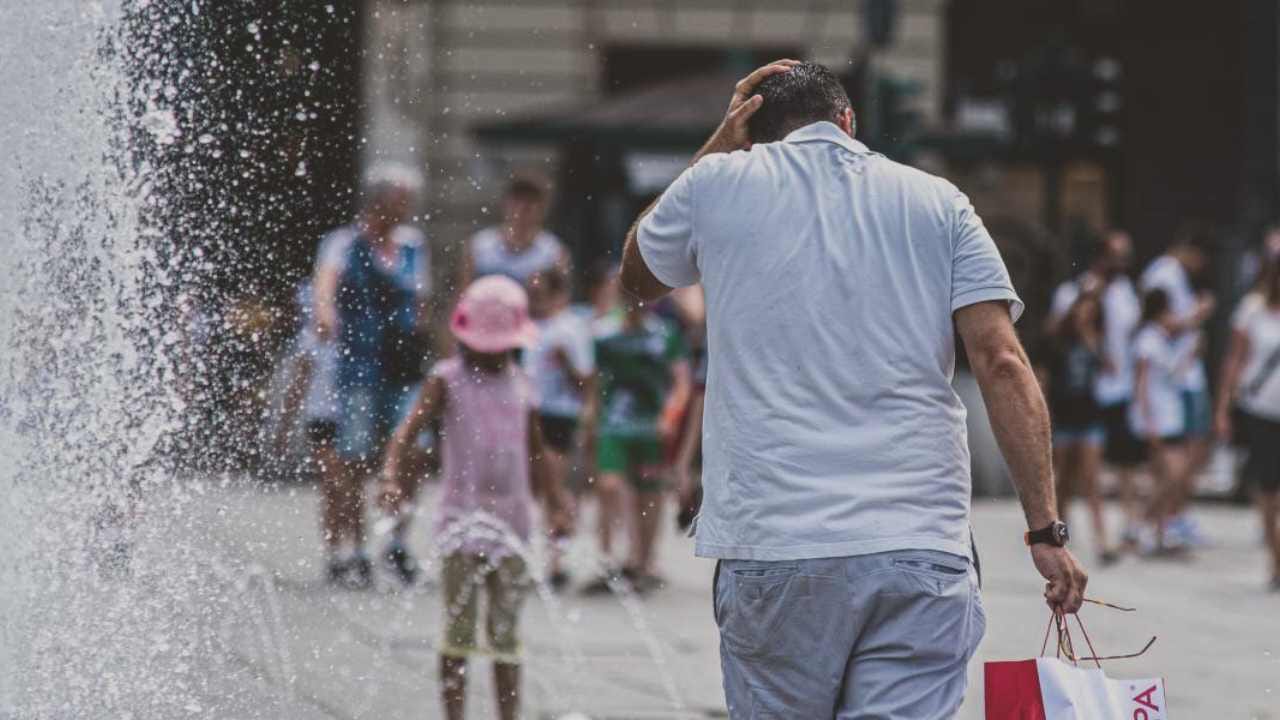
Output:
x=1020 y=420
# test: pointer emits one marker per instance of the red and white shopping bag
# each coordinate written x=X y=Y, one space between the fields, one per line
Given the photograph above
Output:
x=1058 y=688
x=1050 y=689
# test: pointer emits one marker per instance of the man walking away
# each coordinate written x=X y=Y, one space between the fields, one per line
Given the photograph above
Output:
x=836 y=467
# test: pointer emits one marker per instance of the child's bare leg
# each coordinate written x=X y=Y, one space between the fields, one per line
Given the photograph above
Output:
x=1269 y=506
x=611 y=491
x=558 y=466
x=1088 y=468
x=333 y=486
x=1198 y=453
x=648 y=518
x=1128 y=490
x=506 y=683
x=354 y=501
x=1173 y=468
x=453 y=687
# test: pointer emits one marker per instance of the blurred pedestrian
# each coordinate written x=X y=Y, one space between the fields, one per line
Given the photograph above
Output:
x=314 y=396
x=1121 y=309
x=688 y=483
x=600 y=291
x=561 y=365
x=1251 y=380
x=836 y=471
x=1078 y=429
x=1251 y=272
x=1175 y=273
x=492 y=449
x=372 y=287
x=644 y=382
x=520 y=246
x=1158 y=413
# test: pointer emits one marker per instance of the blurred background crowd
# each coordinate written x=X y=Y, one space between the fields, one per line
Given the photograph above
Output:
x=1108 y=159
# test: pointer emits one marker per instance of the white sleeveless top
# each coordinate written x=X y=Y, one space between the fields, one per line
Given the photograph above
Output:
x=491 y=257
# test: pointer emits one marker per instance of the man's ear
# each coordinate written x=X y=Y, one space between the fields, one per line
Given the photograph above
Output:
x=845 y=121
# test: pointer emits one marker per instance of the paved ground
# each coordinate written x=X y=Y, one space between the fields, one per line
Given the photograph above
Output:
x=313 y=652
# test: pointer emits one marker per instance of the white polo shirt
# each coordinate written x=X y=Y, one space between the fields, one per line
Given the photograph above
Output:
x=831 y=275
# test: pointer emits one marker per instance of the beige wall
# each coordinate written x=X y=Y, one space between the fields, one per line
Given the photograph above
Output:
x=435 y=67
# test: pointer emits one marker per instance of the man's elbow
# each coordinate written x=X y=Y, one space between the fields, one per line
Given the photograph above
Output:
x=638 y=289
x=1000 y=365
x=636 y=280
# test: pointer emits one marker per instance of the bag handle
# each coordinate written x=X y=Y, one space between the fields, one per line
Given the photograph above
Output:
x=1065 y=647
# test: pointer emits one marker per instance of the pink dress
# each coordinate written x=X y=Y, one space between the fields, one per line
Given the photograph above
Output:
x=487 y=499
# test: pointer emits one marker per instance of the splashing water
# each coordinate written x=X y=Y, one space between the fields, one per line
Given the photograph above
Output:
x=87 y=392
x=120 y=595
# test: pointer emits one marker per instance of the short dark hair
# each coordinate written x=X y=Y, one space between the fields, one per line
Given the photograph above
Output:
x=1154 y=304
x=805 y=94
x=528 y=186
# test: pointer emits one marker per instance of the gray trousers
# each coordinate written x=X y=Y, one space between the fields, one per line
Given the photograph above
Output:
x=872 y=637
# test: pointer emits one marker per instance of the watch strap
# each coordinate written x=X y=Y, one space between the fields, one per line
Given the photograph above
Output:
x=1043 y=536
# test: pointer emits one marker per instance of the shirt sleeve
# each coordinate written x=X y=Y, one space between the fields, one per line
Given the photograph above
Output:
x=334 y=249
x=978 y=273
x=666 y=235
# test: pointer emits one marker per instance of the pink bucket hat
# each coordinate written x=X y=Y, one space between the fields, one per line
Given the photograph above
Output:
x=493 y=316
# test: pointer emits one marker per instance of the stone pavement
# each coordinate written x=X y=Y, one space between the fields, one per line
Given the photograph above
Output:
x=314 y=652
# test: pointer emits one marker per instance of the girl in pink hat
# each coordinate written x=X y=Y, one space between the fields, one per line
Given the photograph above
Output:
x=492 y=470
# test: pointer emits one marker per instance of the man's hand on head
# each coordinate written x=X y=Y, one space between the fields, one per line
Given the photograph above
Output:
x=636 y=276
x=732 y=133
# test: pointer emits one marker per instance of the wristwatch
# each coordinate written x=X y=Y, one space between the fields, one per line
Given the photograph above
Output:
x=1055 y=534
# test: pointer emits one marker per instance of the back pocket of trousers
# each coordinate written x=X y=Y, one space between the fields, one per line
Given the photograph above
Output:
x=930 y=576
x=760 y=601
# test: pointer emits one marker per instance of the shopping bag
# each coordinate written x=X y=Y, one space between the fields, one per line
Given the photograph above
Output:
x=1050 y=689
x=1057 y=688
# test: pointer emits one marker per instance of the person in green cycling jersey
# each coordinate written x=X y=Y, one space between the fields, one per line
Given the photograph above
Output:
x=644 y=382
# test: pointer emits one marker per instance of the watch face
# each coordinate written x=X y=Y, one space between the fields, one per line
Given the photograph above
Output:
x=1061 y=533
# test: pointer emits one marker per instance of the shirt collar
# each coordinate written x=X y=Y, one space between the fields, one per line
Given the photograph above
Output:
x=824 y=131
